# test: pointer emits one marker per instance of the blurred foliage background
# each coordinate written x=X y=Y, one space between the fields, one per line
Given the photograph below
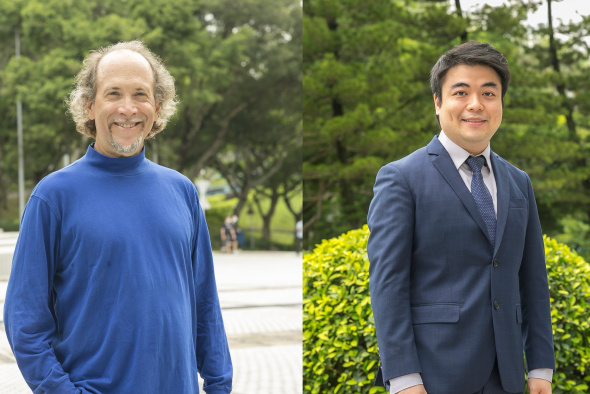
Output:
x=367 y=101
x=237 y=67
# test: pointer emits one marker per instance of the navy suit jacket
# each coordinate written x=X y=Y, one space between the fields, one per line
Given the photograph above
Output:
x=445 y=303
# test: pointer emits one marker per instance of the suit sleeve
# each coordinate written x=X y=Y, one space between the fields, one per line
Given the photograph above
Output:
x=391 y=222
x=213 y=357
x=534 y=294
x=28 y=310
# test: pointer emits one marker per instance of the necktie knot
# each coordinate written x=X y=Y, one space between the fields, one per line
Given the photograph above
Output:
x=476 y=163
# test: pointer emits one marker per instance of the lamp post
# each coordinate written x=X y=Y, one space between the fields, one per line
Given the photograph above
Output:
x=19 y=131
x=202 y=186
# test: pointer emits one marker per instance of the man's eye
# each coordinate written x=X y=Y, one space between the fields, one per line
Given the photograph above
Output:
x=113 y=93
x=489 y=94
x=460 y=93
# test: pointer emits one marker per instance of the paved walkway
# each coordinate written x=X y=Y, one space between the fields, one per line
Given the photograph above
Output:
x=260 y=295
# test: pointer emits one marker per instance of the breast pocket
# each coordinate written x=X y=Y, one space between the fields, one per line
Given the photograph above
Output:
x=517 y=203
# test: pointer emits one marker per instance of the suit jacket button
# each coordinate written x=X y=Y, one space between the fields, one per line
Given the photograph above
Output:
x=496 y=305
x=495 y=263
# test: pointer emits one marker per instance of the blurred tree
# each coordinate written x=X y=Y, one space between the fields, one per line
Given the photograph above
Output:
x=283 y=183
x=230 y=61
x=546 y=122
x=266 y=138
x=367 y=101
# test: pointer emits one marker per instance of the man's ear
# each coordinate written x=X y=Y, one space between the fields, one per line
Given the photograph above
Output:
x=90 y=110
x=436 y=103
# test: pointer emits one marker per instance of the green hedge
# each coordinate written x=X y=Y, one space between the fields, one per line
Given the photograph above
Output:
x=339 y=345
x=10 y=225
x=569 y=284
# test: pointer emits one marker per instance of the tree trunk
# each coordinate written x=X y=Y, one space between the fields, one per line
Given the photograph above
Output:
x=569 y=111
x=242 y=198
x=566 y=102
x=266 y=217
x=296 y=214
x=464 y=37
x=346 y=190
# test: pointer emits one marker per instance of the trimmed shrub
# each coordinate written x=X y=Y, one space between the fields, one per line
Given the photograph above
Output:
x=9 y=225
x=569 y=284
x=339 y=343
x=340 y=352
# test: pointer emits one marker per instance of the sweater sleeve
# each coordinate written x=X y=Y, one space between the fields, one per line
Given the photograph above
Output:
x=213 y=358
x=28 y=311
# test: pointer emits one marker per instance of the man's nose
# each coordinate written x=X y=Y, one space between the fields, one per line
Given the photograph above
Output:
x=475 y=103
x=127 y=106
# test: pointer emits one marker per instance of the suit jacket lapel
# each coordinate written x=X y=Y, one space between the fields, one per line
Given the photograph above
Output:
x=442 y=161
x=503 y=188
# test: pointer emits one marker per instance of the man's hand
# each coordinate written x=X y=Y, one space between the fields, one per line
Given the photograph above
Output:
x=539 y=386
x=413 y=390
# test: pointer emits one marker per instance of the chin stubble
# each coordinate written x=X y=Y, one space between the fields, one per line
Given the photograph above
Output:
x=127 y=149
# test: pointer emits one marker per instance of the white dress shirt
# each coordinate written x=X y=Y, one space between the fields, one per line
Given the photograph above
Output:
x=459 y=155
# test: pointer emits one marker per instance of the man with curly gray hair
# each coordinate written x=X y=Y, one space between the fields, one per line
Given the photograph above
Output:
x=112 y=288
x=86 y=81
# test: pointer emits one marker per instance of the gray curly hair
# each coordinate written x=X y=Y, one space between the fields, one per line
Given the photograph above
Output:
x=86 y=81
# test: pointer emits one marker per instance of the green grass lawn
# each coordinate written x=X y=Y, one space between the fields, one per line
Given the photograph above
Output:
x=9 y=215
x=282 y=223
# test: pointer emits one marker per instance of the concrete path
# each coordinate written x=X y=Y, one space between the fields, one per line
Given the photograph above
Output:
x=260 y=295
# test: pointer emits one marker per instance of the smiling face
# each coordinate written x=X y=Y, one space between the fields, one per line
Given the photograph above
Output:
x=124 y=109
x=470 y=111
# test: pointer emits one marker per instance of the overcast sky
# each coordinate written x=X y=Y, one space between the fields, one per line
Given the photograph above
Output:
x=565 y=10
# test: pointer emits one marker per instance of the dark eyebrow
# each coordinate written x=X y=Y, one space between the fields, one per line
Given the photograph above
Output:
x=465 y=85
x=490 y=84
x=118 y=88
x=459 y=85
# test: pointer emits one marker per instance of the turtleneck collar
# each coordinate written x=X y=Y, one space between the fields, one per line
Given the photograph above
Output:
x=114 y=165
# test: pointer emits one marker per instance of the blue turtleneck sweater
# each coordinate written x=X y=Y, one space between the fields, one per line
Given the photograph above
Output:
x=112 y=287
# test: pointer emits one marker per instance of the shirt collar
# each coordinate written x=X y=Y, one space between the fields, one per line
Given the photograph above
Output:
x=458 y=154
x=115 y=165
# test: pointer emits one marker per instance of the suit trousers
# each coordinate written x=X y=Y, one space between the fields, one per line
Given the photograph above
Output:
x=494 y=385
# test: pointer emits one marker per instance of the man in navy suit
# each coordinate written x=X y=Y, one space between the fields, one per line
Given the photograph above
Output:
x=457 y=276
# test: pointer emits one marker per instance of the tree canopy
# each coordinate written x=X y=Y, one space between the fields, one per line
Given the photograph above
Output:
x=367 y=101
x=237 y=68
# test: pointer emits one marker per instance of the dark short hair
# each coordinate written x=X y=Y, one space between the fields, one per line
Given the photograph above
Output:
x=471 y=53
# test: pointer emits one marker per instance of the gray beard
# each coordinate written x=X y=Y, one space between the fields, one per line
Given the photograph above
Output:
x=127 y=149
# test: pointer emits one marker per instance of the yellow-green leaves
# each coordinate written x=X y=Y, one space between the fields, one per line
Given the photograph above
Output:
x=569 y=284
x=340 y=347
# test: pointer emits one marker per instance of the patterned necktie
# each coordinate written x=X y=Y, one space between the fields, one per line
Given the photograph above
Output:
x=482 y=196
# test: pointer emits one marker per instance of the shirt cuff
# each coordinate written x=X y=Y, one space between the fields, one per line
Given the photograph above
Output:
x=217 y=391
x=541 y=373
x=403 y=382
